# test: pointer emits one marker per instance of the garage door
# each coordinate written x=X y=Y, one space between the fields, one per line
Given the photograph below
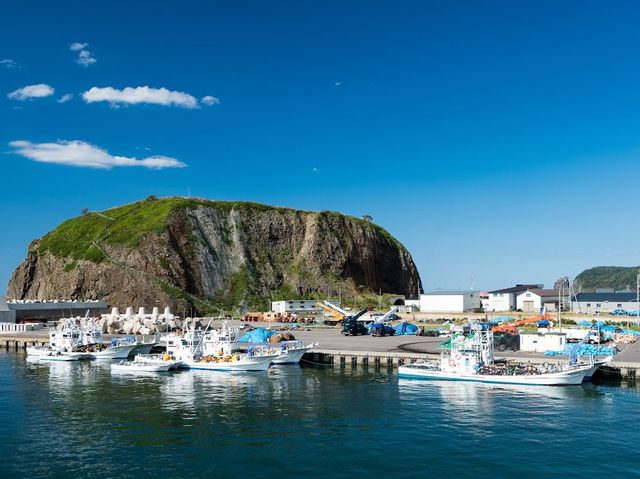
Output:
x=527 y=306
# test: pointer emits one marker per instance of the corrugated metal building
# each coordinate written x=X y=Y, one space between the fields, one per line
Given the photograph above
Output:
x=6 y=314
x=591 y=303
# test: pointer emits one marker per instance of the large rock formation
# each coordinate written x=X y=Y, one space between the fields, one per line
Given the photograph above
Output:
x=211 y=255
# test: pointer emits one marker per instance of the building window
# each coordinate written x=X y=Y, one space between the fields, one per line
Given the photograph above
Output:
x=528 y=295
x=619 y=305
x=598 y=305
x=588 y=305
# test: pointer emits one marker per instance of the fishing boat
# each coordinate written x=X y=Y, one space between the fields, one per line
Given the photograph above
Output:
x=119 y=348
x=141 y=364
x=143 y=347
x=292 y=351
x=224 y=341
x=59 y=356
x=63 y=340
x=470 y=358
x=164 y=359
x=218 y=355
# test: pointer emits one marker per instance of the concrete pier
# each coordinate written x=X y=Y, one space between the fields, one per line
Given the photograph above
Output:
x=367 y=351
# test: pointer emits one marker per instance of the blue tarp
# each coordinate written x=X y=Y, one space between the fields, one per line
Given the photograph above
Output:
x=583 y=350
x=406 y=328
x=502 y=319
x=257 y=335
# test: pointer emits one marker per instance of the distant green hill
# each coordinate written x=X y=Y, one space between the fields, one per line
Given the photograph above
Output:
x=617 y=277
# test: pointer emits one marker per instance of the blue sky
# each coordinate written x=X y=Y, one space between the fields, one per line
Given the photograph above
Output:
x=499 y=141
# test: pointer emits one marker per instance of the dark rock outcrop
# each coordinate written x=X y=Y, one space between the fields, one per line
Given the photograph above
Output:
x=211 y=254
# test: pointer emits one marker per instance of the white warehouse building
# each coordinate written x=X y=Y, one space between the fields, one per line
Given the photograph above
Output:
x=505 y=299
x=449 y=301
x=532 y=300
x=299 y=306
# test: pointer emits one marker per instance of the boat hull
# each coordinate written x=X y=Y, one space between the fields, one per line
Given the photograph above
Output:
x=573 y=376
x=291 y=356
x=136 y=368
x=114 y=352
x=39 y=351
x=259 y=363
x=58 y=357
x=144 y=348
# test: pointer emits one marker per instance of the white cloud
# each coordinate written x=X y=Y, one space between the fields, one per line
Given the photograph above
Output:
x=210 y=100
x=85 y=58
x=65 y=98
x=141 y=94
x=40 y=90
x=338 y=83
x=9 y=63
x=82 y=154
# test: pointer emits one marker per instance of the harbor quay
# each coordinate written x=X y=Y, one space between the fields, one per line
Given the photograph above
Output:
x=333 y=348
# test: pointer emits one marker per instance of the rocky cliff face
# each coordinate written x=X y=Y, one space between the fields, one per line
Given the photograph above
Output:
x=212 y=255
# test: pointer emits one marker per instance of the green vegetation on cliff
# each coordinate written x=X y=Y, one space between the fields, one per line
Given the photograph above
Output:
x=617 y=277
x=128 y=224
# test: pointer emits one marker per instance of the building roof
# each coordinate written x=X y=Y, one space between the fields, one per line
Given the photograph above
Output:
x=603 y=297
x=450 y=293
x=517 y=288
x=543 y=293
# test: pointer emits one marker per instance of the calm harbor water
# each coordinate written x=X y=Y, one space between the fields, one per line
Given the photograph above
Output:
x=79 y=420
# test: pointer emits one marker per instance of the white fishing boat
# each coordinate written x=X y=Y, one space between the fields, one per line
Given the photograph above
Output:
x=292 y=351
x=59 y=356
x=164 y=359
x=470 y=358
x=140 y=365
x=143 y=347
x=62 y=340
x=218 y=354
x=118 y=348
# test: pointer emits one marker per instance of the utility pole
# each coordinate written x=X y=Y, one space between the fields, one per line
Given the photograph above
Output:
x=637 y=299
x=560 y=296
x=380 y=299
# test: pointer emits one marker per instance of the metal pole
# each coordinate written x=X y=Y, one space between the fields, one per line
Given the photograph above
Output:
x=637 y=298
x=560 y=290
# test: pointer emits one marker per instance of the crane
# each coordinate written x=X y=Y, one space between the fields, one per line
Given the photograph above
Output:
x=338 y=313
x=511 y=326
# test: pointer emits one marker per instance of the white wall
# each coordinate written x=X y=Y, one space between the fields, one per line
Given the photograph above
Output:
x=449 y=303
x=442 y=303
x=528 y=296
x=501 y=302
x=278 y=306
